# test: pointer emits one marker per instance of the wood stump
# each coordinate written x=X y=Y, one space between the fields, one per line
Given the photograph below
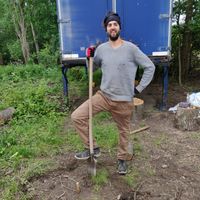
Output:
x=138 y=111
x=6 y=115
x=187 y=119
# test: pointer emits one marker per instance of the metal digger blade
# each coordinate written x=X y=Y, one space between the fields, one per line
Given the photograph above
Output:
x=92 y=162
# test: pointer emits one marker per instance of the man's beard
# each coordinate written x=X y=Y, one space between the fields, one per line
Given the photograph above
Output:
x=114 y=38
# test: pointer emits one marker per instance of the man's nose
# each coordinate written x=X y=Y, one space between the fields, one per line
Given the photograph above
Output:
x=112 y=27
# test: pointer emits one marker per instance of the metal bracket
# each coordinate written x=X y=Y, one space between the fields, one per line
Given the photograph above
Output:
x=164 y=16
x=62 y=21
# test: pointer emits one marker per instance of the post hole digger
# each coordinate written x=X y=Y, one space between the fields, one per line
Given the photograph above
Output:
x=82 y=118
x=92 y=160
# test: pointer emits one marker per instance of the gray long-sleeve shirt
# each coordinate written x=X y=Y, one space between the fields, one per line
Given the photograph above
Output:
x=119 y=66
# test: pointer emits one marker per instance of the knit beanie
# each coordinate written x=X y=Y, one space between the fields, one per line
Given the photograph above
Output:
x=111 y=16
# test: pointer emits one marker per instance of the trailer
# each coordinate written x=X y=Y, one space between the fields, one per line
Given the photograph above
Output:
x=146 y=23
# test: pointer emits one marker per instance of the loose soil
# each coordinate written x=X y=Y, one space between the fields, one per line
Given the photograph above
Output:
x=166 y=168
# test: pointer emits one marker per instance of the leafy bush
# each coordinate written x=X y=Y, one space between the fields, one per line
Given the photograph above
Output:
x=47 y=57
x=15 y=51
x=27 y=89
x=77 y=74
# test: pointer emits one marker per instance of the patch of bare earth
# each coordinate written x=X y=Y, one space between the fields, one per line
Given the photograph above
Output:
x=168 y=165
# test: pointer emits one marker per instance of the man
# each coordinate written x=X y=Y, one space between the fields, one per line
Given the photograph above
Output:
x=118 y=60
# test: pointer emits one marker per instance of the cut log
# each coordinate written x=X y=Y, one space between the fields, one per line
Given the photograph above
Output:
x=138 y=111
x=187 y=119
x=6 y=115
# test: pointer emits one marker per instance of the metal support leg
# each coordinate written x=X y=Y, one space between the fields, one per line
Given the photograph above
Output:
x=65 y=80
x=86 y=70
x=165 y=86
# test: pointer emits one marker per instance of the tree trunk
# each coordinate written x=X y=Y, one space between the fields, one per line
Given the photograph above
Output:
x=1 y=59
x=35 y=40
x=179 y=64
x=20 y=28
x=187 y=41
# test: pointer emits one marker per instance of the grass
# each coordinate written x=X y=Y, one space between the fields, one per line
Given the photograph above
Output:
x=150 y=171
x=101 y=178
x=137 y=146
x=194 y=135
x=36 y=131
x=160 y=140
x=132 y=177
x=107 y=138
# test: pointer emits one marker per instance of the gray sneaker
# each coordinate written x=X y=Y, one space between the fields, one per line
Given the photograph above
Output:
x=86 y=154
x=122 y=167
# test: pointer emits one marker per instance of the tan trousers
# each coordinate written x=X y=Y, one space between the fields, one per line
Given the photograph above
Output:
x=121 y=113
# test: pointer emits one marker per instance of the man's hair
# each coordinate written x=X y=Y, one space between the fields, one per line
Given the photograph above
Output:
x=111 y=16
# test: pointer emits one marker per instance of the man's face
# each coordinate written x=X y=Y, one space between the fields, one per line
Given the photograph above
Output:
x=113 y=30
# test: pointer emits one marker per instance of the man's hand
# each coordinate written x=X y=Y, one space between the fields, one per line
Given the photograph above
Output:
x=90 y=52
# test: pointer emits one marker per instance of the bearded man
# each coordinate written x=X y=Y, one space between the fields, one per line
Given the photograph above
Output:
x=118 y=60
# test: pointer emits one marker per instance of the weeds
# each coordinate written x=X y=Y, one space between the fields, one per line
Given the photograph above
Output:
x=194 y=135
x=100 y=179
x=132 y=177
x=106 y=137
x=137 y=147
x=162 y=139
x=35 y=129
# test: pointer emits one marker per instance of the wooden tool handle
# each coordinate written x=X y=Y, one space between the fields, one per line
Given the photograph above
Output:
x=90 y=104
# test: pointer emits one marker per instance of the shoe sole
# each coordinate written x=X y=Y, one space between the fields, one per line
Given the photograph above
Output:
x=122 y=173
x=78 y=158
x=97 y=155
x=85 y=158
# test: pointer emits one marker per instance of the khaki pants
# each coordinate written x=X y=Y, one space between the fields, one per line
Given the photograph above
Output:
x=121 y=113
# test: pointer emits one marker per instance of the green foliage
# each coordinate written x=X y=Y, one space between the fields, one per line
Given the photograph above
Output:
x=42 y=15
x=195 y=26
x=78 y=74
x=137 y=147
x=32 y=96
x=107 y=138
x=132 y=177
x=6 y=31
x=15 y=50
x=97 y=77
x=159 y=141
x=181 y=30
x=48 y=58
x=34 y=132
x=101 y=178
x=73 y=141
x=37 y=167
x=30 y=90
